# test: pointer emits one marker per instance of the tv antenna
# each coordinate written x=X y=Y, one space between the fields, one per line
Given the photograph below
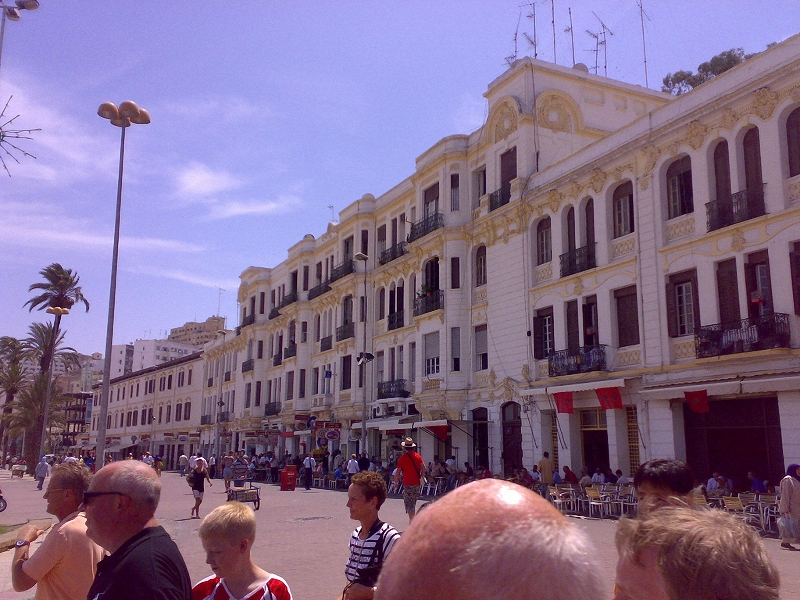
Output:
x=219 y=300
x=553 y=22
x=596 y=50
x=642 y=15
x=603 y=32
x=532 y=41
x=513 y=57
x=571 y=35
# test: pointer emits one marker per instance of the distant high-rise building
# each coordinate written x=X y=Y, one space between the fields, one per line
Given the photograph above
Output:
x=197 y=334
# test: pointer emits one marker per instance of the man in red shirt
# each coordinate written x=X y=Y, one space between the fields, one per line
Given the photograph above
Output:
x=411 y=468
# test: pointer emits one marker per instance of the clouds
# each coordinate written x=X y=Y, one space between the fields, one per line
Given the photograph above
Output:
x=192 y=277
x=198 y=180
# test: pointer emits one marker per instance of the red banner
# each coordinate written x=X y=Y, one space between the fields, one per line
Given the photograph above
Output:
x=609 y=398
x=698 y=401
x=564 y=402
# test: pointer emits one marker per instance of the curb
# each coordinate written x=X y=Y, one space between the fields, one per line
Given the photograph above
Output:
x=7 y=540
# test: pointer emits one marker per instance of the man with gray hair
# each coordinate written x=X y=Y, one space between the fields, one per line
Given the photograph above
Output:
x=144 y=562
x=483 y=540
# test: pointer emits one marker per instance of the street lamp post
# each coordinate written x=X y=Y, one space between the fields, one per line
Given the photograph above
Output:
x=58 y=312
x=12 y=14
x=220 y=403
x=122 y=117
x=363 y=359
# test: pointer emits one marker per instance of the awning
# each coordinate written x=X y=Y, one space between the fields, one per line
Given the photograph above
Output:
x=114 y=448
x=88 y=446
x=586 y=386
x=771 y=384
x=302 y=433
x=429 y=424
x=714 y=388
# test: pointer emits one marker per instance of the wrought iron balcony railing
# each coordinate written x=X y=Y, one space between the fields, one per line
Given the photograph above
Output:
x=277 y=359
x=393 y=389
x=248 y=320
x=248 y=365
x=272 y=408
x=326 y=343
x=288 y=299
x=582 y=360
x=346 y=267
x=427 y=304
x=747 y=335
x=273 y=313
x=224 y=417
x=205 y=420
x=290 y=351
x=741 y=206
x=346 y=331
x=318 y=290
x=578 y=260
x=425 y=226
x=395 y=320
x=394 y=252
x=500 y=197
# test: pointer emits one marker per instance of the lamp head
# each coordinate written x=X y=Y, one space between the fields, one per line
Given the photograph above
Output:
x=11 y=13
x=27 y=4
x=361 y=256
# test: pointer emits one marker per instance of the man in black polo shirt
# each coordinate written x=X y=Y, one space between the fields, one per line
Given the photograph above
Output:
x=144 y=563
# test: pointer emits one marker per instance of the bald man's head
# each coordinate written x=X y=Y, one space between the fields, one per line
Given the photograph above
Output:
x=490 y=539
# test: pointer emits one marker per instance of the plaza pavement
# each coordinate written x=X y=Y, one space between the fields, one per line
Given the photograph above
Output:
x=302 y=536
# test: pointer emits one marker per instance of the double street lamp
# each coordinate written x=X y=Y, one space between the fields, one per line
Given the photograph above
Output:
x=12 y=13
x=128 y=113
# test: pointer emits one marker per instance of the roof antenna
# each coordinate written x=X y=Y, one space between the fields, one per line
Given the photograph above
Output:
x=603 y=43
x=642 y=15
x=513 y=57
x=532 y=41
x=596 y=48
x=571 y=35
x=333 y=218
x=553 y=15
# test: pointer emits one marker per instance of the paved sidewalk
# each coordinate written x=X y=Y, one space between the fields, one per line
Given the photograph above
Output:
x=302 y=536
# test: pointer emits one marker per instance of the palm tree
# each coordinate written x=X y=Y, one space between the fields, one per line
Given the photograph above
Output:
x=41 y=347
x=12 y=379
x=28 y=414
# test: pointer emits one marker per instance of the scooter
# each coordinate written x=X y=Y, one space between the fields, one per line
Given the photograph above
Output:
x=3 y=503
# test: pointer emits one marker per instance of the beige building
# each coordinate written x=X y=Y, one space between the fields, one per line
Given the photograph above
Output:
x=601 y=271
x=197 y=334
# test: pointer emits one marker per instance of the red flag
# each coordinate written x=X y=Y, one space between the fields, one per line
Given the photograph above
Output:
x=609 y=398
x=564 y=402
x=698 y=401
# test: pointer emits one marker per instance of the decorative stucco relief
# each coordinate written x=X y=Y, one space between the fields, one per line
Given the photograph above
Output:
x=553 y=115
x=505 y=122
x=624 y=246
x=678 y=228
x=764 y=103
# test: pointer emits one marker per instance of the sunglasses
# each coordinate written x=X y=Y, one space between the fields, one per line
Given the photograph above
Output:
x=87 y=496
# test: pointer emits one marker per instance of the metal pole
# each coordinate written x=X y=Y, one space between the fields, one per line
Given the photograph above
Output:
x=219 y=408
x=100 y=452
x=2 y=31
x=364 y=363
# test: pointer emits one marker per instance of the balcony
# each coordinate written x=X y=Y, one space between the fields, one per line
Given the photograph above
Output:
x=248 y=365
x=584 y=360
x=345 y=332
x=500 y=197
x=227 y=377
x=393 y=389
x=277 y=360
x=290 y=351
x=224 y=417
x=318 y=290
x=425 y=226
x=741 y=206
x=427 y=304
x=326 y=343
x=395 y=320
x=288 y=299
x=272 y=408
x=394 y=252
x=748 y=335
x=248 y=320
x=273 y=313
x=205 y=420
x=578 y=260
x=210 y=382
x=345 y=268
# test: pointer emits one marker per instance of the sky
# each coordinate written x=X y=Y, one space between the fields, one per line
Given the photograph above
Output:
x=264 y=115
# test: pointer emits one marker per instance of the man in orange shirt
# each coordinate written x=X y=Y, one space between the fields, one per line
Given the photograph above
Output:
x=411 y=468
x=65 y=564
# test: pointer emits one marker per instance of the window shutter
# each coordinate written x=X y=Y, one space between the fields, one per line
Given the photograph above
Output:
x=573 y=338
x=695 y=301
x=538 y=338
x=794 y=265
x=672 y=311
x=751 y=286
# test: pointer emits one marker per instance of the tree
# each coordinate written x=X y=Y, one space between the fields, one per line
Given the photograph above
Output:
x=12 y=379
x=45 y=348
x=680 y=82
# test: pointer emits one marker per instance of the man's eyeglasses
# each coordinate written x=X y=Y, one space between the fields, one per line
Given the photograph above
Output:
x=87 y=496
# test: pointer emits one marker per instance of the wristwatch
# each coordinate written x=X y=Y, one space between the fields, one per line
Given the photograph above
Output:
x=21 y=543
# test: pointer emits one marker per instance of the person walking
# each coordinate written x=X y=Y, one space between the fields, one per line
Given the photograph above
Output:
x=309 y=464
x=789 y=508
x=227 y=470
x=411 y=469
x=198 y=486
x=352 y=467
x=212 y=466
x=183 y=464
x=42 y=471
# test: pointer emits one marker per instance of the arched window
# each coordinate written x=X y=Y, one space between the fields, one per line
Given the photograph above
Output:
x=680 y=200
x=178 y=411
x=722 y=172
x=135 y=418
x=793 y=142
x=751 y=145
x=480 y=266
x=623 y=209
x=544 y=244
x=187 y=410
x=588 y=217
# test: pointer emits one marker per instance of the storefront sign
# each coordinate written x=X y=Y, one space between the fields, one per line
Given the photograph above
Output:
x=333 y=435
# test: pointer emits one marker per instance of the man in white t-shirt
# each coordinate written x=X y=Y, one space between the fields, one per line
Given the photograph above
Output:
x=192 y=460
x=309 y=464
x=148 y=459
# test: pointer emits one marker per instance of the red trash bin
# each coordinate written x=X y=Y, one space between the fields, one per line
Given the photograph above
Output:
x=289 y=478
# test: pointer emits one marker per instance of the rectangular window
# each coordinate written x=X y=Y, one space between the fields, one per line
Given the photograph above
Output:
x=454 y=192
x=431 y=198
x=347 y=372
x=306 y=276
x=262 y=300
x=683 y=306
x=365 y=241
x=178 y=413
x=257 y=399
x=431 y=341
x=455 y=347
x=188 y=381
x=455 y=273
x=379 y=366
x=290 y=385
x=260 y=349
x=679 y=187
x=543 y=330
x=544 y=247
x=303 y=332
x=758 y=283
x=623 y=209
x=361 y=374
x=315 y=381
x=478 y=186
x=627 y=316
x=169 y=382
x=591 y=335
x=481 y=348
x=301 y=392
x=169 y=413
x=248 y=390
x=412 y=350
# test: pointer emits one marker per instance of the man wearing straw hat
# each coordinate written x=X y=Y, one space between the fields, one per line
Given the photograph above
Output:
x=411 y=468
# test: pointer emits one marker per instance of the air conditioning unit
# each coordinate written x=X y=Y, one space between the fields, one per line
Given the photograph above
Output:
x=379 y=411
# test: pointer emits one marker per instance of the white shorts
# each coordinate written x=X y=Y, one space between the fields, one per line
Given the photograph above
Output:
x=197 y=494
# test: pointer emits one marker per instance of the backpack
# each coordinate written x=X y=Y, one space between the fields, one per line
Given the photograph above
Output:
x=190 y=479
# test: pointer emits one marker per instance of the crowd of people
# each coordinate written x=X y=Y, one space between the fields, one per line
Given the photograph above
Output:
x=472 y=543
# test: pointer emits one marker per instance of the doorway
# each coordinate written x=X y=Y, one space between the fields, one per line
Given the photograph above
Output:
x=594 y=437
x=512 y=438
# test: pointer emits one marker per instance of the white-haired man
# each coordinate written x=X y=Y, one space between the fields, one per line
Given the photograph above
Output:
x=144 y=562
x=481 y=541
